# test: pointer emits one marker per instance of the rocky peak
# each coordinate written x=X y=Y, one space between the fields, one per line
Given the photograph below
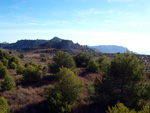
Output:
x=55 y=39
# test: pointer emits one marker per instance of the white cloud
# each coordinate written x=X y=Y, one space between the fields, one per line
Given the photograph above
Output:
x=107 y=21
x=34 y=24
x=133 y=24
x=92 y=11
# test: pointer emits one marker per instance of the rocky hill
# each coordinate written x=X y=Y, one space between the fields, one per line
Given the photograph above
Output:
x=57 y=43
x=24 y=44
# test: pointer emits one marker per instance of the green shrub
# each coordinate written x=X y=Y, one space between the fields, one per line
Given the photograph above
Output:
x=69 y=85
x=20 y=69
x=62 y=59
x=65 y=93
x=55 y=102
x=45 y=69
x=4 y=107
x=3 y=72
x=82 y=59
x=104 y=63
x=4 y=54
x=93 y=66
x=1 y=64
x=40 y=67
x=4 y=61
x=90 y=89
x=44 y=59
x=125 y=81
x=31 y=64
x=121 y=108
x=8 y=83
x=13 y=65
x=21 y=55
x=31 y=74
x=11 y=52
x=14 y=59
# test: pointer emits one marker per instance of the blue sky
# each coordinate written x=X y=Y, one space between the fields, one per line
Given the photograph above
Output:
x=88 y=22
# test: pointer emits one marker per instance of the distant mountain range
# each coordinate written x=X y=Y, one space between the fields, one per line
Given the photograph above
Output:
x=57 y=43
x=66 y=45
x=110 y=48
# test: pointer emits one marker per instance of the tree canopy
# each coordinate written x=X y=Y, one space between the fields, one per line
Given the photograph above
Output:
x=62 y=59
x=124 y=82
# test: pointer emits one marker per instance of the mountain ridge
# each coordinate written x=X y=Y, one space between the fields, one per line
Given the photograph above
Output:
x=57 y=43
x=110 y=48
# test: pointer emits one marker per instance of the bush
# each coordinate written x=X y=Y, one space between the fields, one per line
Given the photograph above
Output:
x=31 y=74
x=62 y=59
x=4 y=54
x=104 y=63
x=8 y=83
x=55 y=102
x=69 y=85
x=124 y=82
x=4 y=61
x=65 y=93
x=121 y=108
x=31 y=64
x=40 y=67
x=21 y=55
x=3 y=72
x=93 y=66
x=13 y=65
x=82 y=59
x=15 y=59
x=44 y=59
x=4 y=108
x=1 y=64
x=20 y=69
x=11 y=52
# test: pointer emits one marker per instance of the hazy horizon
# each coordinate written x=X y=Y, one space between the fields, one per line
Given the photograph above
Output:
x=87 y=22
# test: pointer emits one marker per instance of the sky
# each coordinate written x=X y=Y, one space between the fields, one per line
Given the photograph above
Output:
x=88 y=22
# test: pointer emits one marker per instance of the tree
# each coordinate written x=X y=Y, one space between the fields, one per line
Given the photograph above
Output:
x=30 y=75
x=121 y=108
x=4 y=108
x=4 y=61
x=93 y=66
x=1 y=64
x=3 y=72
x=66 y=91
x=14 y=59
x=56 y=102
x=22 y=56
x=13 y=65
x=43 y=59
x=8 y=83
x=124 y=82
x=20 y=69
x=82 y=59
x=69 y=85
x=62 y=59
x=4 y=54
x=11 y=52
x=104 y=63
x=31 y=64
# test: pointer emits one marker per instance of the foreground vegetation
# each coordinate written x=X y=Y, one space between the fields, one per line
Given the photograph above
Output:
x=120 y=86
